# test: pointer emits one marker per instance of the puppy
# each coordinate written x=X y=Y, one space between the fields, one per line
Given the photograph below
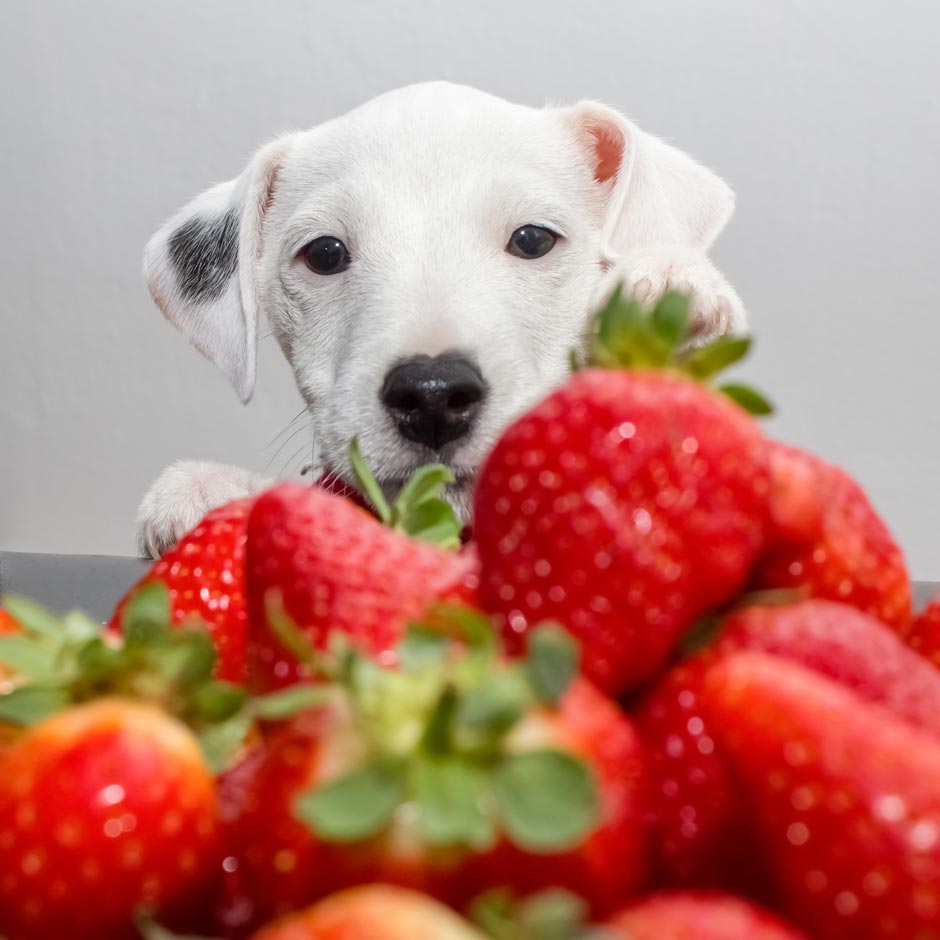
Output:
x=427 y=263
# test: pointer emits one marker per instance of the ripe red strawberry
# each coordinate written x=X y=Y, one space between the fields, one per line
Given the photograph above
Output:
x=372 y=912
x=845 y=645
x=105 y=808
x=338 y=568
x=826 y=537
x=925 y=632
x=448 y=775
x=843 y=795
x=624 y=504
x=699 y=831
x=230 y=910
x=205 y=576
x=697 y=916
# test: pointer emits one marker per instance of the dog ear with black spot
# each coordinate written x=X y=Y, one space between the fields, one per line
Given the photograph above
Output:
x=656 y=194
x=202 y=266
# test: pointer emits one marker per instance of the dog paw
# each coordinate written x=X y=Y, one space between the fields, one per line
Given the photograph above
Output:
x=182 y=495
x=716 y=308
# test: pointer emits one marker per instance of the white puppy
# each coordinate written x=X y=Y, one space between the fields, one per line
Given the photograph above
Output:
x=427 y=262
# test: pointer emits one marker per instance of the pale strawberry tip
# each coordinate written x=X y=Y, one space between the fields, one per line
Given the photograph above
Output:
x=629 y=335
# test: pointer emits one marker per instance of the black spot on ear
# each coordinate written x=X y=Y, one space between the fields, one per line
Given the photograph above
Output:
x=205 y=255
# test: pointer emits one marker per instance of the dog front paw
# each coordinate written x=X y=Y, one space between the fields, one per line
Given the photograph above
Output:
x=182 y=495
x=716 y=309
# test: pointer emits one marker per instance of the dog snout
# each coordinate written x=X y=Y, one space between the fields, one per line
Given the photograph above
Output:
x=434 y=400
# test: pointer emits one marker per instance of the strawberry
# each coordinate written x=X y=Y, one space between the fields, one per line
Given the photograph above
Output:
x=372 y=912
x=826 y=537
x=205 y=576
x=335 y=567
x=697 y=916
x=452 y=772
x=699 y=832
x=845 y=645
x=116 y=741
x=925 y=632
x=627 y=502
x=842 y=793
x=105 y=808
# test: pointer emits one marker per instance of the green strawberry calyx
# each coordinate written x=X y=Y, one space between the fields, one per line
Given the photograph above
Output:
x=550 y=914
x=418 y=510
x=57 y=662
x=629 y=334
x=437 y=732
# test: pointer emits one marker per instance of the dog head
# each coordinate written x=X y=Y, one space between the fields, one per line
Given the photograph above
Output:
x=427 y=262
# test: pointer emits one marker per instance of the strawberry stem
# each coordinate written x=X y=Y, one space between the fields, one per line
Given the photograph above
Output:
x=435 y=729
x=60 y=662
x=419 y=511
x=368 y=484
x=629 y=335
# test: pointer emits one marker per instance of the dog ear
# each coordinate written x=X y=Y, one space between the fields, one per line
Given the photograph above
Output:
x=202 y=266
x=656 y=193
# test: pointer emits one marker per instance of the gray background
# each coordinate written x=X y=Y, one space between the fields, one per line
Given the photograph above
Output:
x=824 y=117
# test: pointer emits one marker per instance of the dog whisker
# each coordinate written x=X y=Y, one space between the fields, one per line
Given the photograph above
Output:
x=298 y=456
x=300 y=414
x=284 y=444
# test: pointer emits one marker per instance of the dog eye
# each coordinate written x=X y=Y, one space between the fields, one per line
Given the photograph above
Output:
x=531 y=241
x=326 y=255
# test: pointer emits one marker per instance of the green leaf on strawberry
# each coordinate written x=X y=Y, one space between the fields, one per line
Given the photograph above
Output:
x=28 y=656
x=220 y=741
x=276 y=706
x=706 y=361
x=58 y=662
x=748 y=398
x=546 y=799
x=357 y=805
x=31 y=703
x=32 y=616
x=628 y=335
x=421 y=646
x=670 y=317
x=551 y=914
x=418 y=510
x=492 y=707
x=147 y=614
x=552 y=662
x=451 y=793
x=438 y=731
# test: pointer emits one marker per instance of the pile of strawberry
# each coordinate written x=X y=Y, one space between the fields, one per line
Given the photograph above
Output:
x=672 y=687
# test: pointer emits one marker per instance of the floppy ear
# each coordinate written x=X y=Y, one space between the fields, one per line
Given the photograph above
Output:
x=202 y=266
x=656 y=193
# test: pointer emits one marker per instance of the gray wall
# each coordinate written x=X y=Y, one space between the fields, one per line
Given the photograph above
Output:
x=823 y=116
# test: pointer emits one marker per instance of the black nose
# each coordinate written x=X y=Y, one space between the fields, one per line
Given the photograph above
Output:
x=434 y=400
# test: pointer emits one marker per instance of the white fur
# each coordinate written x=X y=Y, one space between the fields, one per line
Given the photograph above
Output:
x=425 y=186
x=183 y=494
